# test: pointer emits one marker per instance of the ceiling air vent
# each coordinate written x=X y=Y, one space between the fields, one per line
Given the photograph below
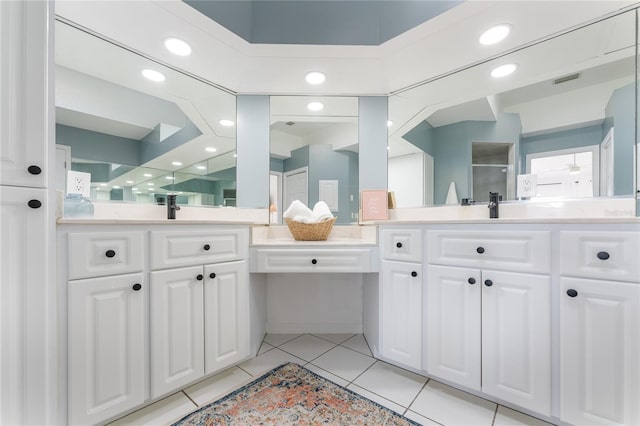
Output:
x=290 y=123
x=566 y=78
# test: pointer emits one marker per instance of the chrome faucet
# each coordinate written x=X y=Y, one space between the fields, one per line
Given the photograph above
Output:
x=172 y=206
x=494 y=199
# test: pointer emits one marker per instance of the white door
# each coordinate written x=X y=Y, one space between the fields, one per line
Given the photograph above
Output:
x=296 y=187
x=599 y=352
x=516 y=339
x=226 y=315
x=106 y=324
x=453 y=321
x=176 y=327
x=401 y=298
x=24 y=98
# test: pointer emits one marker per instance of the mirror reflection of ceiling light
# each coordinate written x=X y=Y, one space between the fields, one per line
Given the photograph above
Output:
x=129 y=181
x=210 y=149
x=389 y=123
x=177 y=46
x=315 y=106
x=150 y=184
x=176 y=163
x=503 y=70
x=201 y=167
x=103 y=184
x=169 y=177
x=116 y=187
x=135 y=189
x=226 y=123
x=153 y=75
x=147 y=175
x=495 y=34
x=315 y=77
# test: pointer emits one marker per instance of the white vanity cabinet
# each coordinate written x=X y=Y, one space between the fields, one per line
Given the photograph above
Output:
x=199 y=314
x=600 y=328
x=401 y=288
x=487 y=316
x=106 y=324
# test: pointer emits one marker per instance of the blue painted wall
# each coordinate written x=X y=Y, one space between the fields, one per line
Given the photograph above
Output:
x=621 y=108
x=252 y=147
x=95 y=146
x=150 y=148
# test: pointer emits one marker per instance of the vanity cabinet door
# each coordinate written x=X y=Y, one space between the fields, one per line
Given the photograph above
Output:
x=106 y=347
x=176 y=327
x=516 y=339
x=599 y=352
x=226 y=315
x=453 y=320
x=401 y=323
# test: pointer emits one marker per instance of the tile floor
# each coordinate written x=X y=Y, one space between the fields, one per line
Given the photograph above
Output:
x=346 y=360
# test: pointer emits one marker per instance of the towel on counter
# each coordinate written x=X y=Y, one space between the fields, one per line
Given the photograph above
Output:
x=298 y=211
x=321 y=212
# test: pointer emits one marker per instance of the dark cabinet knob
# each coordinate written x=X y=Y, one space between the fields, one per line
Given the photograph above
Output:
x=199 y=277
x=471 y=280
x=34 y=170
x=480 y=250
x=399 y=245
x=488 y=283
x=603 y=255
x=206 y=247
x=34 y=204
x=136 y=287
x=414 y=274
x=314 y=261
x=110 y=253
x=572 y=293
x=212 y=275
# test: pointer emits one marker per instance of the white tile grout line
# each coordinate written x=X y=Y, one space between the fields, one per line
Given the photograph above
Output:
x=495 y=414
x=190 y=399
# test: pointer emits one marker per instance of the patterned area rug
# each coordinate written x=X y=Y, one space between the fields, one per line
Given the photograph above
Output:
x=292 y=395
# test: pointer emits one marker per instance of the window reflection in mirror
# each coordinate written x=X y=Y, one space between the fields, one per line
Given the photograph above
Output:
x=314 y=154
x=141 y=139
x=567 y=93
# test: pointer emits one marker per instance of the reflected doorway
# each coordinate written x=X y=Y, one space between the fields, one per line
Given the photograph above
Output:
x=492 y=170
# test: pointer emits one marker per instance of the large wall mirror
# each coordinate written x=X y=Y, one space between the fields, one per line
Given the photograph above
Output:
x=141 y=138
x=314 y=154
x=564 y=120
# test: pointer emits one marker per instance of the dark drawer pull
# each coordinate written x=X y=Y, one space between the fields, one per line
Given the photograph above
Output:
x=136 y=287
x=414 y=274
x=399 y=245
x=206 y=247
x=480 y=250
x=572 y=293
x=471 y=280
x=314 y=261
x=199 y=277
x=110 y=253
x=34 y=170
x=603 y=255
x=488 y=283
x=34 y=204
x=212 y=275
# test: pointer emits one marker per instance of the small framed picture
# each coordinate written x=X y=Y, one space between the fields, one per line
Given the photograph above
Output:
x=373 y=204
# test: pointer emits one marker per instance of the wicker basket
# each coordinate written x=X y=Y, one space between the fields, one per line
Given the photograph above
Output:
x=310 y=231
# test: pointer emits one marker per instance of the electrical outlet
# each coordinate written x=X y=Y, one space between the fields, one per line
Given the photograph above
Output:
x=527 y=185
x=79 y=183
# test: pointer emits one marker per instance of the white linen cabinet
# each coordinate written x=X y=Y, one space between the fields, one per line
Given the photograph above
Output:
x=600 y=328
x=487 y=316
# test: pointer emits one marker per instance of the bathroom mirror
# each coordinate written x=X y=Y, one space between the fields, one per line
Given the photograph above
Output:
x=141 y=138
x=564 y=119
x=314 y=154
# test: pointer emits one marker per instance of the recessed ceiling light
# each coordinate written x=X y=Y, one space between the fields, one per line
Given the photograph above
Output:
x=315 y=77
x=180 y=192
x=389 y=123
x=129 y=181
x=169 y=177
x=150 y=184
x=226 y=123
x=116 y=187
x=235 y=155
x=135 y=189
x=153 y=75
x=315 y=106
x=201 y=167
x=503 y=70
x=495 y=34
x=176 y=163
x=103 y=184
x=177 y=46
x=147 y=175
x=210 y=149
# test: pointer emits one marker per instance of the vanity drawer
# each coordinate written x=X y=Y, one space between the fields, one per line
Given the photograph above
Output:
x=599 y=254
x=401 y=244
x=314 y=260
x=97 y=254
x=508 y=251
x=176 y=248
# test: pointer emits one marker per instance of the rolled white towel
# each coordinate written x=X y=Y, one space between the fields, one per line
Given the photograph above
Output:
x=302 y=219
x=321 y=212
x=297 y=208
